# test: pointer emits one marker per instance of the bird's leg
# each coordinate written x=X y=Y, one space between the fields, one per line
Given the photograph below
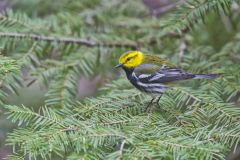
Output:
x=158 y=99
x=149 y=106
x=157 y=102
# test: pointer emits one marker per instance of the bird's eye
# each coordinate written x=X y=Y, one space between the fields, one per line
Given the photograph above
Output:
x=128 y=59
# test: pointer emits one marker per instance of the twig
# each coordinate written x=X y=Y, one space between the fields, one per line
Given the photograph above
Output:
x=235 y=7
x=182 y=49
x=121 y=149
x=48 y=38
x=166 y=8
x=226 y=21
x=234 y=154
x=80 y=41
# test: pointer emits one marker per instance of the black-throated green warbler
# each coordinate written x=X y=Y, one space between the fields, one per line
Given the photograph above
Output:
x=151 y=74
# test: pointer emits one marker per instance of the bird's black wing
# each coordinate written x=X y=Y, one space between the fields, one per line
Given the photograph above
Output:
x=164 y=75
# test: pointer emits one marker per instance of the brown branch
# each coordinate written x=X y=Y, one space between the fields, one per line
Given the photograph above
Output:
x=166 y=8
x=79 y=41
x=182 y=50
x=121 y=149
x=235 y=7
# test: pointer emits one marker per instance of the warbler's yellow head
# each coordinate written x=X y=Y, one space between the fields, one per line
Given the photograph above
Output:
x=131 y=59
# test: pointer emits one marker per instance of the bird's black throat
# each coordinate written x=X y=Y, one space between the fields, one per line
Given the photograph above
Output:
x=131 y=78
x=128 y=72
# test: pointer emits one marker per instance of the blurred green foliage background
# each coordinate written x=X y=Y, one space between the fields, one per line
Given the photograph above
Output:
x=199 y=36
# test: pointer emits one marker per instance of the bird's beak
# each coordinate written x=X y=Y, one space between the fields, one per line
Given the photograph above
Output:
x=119 y=65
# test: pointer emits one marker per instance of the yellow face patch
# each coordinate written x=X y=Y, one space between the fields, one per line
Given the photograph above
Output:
x=131 y=59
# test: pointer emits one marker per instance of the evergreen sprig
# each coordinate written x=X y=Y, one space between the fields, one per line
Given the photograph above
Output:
x=59 y=44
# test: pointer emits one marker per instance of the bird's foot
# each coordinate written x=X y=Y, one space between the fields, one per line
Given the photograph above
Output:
x=148 y=109
x=151 y=105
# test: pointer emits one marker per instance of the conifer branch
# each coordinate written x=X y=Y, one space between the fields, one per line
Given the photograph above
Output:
x=197 y=121
x=79 y=41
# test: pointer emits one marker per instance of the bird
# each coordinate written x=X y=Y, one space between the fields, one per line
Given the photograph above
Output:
x=151 y=74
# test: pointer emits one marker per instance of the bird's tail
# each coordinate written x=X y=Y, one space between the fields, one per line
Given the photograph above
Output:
x=202 y=76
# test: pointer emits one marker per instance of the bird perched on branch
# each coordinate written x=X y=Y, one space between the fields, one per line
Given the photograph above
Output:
x=151 y=74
